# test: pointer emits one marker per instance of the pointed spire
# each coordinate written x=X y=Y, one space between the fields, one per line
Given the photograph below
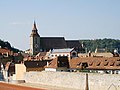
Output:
x=87 y=86
x=34 y=26
x=34 y=30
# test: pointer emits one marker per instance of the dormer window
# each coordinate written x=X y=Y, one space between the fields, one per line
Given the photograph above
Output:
x=78 y=64
x=105 y=63
x=112 y=63
x=90 y=63
x=98 y=64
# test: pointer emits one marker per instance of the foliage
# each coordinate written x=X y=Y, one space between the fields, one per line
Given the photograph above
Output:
x=108 y=44
x=7 y=45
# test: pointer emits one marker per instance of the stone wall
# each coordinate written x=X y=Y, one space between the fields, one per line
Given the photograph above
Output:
x=75 y=80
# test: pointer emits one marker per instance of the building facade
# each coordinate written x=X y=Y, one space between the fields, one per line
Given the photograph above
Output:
x=34 y=41
x=44 y=44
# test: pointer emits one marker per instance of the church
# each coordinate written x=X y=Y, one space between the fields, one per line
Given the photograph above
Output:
x=44 y=44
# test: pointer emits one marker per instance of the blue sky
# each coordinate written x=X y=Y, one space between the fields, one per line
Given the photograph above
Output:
x=73 y=19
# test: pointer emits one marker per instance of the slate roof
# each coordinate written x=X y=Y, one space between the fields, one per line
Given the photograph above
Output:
x=73 y=43
x=65 y=50
x=48 y=43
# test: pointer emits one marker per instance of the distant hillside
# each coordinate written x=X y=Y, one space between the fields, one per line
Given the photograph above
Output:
x=4 y=44
x=108 y=44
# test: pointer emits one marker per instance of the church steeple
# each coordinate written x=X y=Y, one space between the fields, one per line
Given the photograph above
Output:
x=34 y=30
x=34 y=26
x=34 y=40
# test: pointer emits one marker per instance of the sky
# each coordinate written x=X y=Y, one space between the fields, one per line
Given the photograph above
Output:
x=72 y=19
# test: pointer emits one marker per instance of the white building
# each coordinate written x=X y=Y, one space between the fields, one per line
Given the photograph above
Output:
x=69 y=52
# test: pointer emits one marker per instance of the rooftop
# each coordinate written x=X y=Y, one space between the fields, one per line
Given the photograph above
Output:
x=62 y=50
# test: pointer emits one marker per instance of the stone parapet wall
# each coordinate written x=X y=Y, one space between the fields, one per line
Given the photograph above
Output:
x=75 y=80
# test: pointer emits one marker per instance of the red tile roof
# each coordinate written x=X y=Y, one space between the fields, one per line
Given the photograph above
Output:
x=2 y=50
x=53 y=64
x=96 y=63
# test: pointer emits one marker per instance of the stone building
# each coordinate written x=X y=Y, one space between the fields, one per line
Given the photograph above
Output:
x=69 y=52
x=44 y=44
x=34 y=41
x=109 y=65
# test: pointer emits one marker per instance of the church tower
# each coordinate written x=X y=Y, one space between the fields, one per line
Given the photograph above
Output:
x=34 y=41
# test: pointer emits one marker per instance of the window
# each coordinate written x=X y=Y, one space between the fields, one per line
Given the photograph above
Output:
x=78 y=64
x=90 y=63
x=98 y=64
x=112 y=63
x=118 y=63
x=106 y=63
x=84 y=65
x=63 y=62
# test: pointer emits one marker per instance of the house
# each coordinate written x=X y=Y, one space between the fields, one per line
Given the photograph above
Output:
x=40 y=56
x=8 y=70
x=107 y=54
x=61 y=63
x=97 y=54
x=96 y=64
x=5 y=52
x=68 y=52
x=36 y=65
x=110 y=65
x=102 y=52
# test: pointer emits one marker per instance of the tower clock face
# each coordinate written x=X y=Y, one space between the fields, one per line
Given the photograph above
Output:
x=36 y=45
